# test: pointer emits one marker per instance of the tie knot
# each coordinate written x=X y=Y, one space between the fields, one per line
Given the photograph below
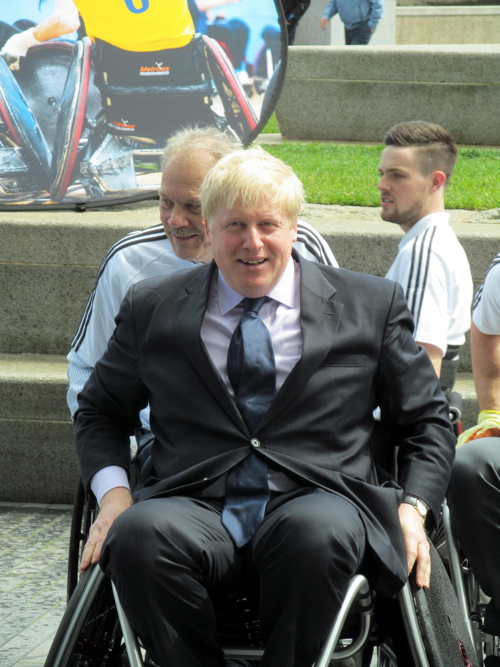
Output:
x=253 y=305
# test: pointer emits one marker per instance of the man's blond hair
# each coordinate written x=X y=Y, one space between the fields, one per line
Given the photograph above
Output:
x=250 y=179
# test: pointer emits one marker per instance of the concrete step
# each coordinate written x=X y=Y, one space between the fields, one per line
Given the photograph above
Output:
x=36 y=434
x=48 y=260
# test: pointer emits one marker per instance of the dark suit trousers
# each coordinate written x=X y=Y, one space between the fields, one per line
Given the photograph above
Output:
x=165 y=554
x=474 y=500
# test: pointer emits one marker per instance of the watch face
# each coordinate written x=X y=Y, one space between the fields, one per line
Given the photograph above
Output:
x=421 y=507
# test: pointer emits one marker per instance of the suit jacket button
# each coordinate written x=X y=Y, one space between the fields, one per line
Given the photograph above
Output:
x=254 y=442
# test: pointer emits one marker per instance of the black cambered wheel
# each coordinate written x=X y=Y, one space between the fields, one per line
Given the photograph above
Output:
x=84 y=511
x=71 y=119
x=89 y=634
x=237 y=108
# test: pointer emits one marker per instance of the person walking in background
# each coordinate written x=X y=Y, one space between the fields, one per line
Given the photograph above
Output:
x=360 y=18
x=294 y=11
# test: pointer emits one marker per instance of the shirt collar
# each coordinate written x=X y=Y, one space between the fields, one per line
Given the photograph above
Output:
x=283 y=291
x=431 y=220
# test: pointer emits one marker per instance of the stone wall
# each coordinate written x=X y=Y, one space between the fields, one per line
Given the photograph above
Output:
x=448 y=25
x=355 y=93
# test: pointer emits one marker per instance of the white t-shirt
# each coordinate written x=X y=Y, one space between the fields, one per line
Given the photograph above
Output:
x=433 y=269
x=486 y=313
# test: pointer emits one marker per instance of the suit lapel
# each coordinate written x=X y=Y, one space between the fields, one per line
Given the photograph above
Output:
x=319 y=317
x=187 y=313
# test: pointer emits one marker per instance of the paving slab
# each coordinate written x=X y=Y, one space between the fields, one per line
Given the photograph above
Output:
x=33 y=565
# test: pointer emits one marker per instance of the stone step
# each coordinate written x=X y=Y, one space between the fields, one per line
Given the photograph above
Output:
x=48 y=260
x=36 y=434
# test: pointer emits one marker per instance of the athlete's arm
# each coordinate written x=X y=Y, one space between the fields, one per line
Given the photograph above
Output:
x=435 y=355
x=63 y=20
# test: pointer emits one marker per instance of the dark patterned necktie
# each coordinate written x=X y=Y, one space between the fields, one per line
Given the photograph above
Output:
x=251 y=368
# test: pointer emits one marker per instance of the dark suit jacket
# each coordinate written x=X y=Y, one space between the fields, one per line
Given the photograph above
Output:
x=358 y=353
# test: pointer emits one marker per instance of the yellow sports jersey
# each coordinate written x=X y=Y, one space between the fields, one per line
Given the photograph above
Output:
x=138 y=25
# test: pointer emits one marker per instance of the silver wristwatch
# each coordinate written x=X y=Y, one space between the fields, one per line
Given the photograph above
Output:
x=419 y=504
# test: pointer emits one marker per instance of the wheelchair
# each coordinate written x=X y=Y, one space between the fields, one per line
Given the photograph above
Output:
x=417 y=628
x=472 y=600
x=83 y=147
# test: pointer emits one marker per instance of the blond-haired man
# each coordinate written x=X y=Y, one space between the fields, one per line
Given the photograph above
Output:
x=268 y=472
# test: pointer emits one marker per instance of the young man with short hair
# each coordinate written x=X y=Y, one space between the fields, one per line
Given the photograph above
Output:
x=431 y=265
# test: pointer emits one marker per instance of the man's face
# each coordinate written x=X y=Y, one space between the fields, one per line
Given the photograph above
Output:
x=251 y=248
x=180 y=205
x=405 y=191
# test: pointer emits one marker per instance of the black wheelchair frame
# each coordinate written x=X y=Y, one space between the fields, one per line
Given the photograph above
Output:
x=471 y=599
x=418 y=628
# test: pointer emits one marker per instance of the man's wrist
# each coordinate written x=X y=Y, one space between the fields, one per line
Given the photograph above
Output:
x=420 y=506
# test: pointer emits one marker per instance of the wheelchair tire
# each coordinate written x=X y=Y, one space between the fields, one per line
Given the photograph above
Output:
x=89 y=634
x=71 y=119
x=446 y=638
x=23 y=127
x=83 y=517
x=237 y=108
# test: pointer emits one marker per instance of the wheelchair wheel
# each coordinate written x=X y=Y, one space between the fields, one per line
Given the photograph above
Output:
x=41 y=78
x=83 y=517
x=90 y=633
x=70 y=119
x=445 y=635
x=23 y=127
x=237 y=108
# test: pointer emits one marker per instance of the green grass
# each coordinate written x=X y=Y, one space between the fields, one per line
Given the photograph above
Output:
x=271 y=126
x=347 y=174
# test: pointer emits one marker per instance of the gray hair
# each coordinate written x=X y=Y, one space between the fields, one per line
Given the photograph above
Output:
x=192 y=139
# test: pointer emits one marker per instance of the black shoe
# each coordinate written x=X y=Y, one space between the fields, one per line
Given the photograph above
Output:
x=492 y=661
x=491 y=623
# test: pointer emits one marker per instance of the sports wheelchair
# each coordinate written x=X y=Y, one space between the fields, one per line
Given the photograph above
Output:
x=83 y=146
x=417 y=628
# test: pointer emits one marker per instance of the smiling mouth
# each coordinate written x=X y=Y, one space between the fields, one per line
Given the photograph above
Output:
x=253 y=262
x=184 y=236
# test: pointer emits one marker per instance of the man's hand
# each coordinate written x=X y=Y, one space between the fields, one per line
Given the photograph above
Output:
x=323 y=23
x=417 y=547
x=113 y=503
